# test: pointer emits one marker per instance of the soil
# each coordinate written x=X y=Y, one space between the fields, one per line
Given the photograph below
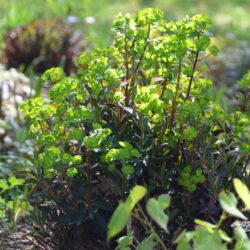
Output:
x=14 y=238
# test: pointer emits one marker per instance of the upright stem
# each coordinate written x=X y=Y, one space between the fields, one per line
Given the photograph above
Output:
x=162 y=132
x=149 y=224
x=192 y=76
x=164 y=83
x=163 y=88
x=88 y=163
x=127 y=69
x=176 y=94
x=136 y=68
x=118 y=117
x=144 y=49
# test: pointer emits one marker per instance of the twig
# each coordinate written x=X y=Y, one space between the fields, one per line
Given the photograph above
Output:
x=192 y=76
x=176 y=94
x=149 y=224
x=127 y=69
x=144 y=49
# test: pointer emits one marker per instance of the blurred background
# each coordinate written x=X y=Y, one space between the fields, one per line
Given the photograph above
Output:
x=90 y=26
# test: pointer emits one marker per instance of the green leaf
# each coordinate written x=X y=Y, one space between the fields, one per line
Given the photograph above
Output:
x=123 y=154
x=135 y=195
x=123 y=212
x=214 y=50
x=72 y=172
x=147 y=244
x=203 y=43
x=124 y=242
x=54 y=74
x=189 y=133
x=243 y=192
x=228 y=202
x=111 y=167
x=3 y=185
x=119 y=220
x=224 y=236
x=96 y=138
x=242 y=241
x=184 y=244
x=77 y=159
x=76 y=134
x=207 y=241
x=154 y=209
x=148 y=16
x=15 y=181
x=164 y=201
x=210 y=227
x=128 y=170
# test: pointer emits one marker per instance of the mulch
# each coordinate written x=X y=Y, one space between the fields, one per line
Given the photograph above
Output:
x=15 y=237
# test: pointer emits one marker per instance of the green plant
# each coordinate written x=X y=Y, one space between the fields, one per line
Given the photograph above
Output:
x=205 y=236
x=13 y=198
x=14 y=89
x=137 y=112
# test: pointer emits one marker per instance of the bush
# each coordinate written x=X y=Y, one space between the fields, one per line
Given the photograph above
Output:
x=205 y=236
x=138 y=112
x=42 y=44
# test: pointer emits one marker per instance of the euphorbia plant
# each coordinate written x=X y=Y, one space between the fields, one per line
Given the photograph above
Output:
x=136 y=112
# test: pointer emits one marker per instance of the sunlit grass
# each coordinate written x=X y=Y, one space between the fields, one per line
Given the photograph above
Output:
x=227 y=15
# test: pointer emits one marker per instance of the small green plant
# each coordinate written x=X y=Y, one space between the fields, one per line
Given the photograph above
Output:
x=14 y=89
x=13 y=198
x=136 y=112
x=190 y=181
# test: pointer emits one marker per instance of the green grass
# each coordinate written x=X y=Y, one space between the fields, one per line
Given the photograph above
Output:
x=229 y=16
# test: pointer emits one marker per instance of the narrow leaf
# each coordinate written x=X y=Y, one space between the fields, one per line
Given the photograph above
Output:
x=118 y=220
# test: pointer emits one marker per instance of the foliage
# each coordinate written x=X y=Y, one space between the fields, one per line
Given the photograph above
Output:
x=14 y=89
x=136 y=112
x=231 y=17
x=42 y=44
x=205 y=236
x=13 y=198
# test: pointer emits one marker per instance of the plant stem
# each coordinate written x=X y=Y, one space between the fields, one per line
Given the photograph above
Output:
x=88 y=163
x=176 y=94
x=149 y=224
x=192 y=75
x=163 y=88
x=136 y=68
x=163 y=132
x=144 y=49
x=127 y=69
x=222 y=218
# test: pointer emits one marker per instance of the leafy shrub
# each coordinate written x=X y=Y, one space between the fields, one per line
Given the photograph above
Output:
x=205 y=236
x=42 y=44
x=138 y=112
